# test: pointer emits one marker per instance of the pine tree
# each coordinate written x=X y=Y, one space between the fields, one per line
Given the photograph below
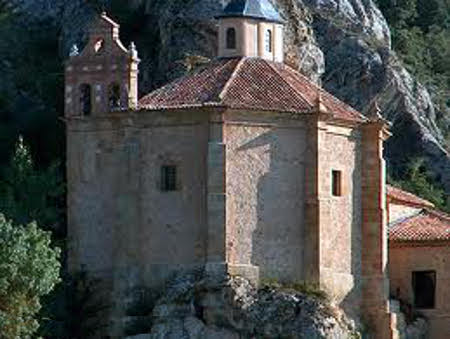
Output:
x=27 y=194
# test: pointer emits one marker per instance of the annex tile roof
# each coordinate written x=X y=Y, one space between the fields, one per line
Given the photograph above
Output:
x=247 y=83
x=429 y=225
x=400 y=196
x=257 y=9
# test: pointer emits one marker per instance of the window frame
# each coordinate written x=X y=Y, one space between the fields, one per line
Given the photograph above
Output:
x=268 y=41
x=336 y=183
x=230 y=38
x=414 y=274
x=85 y=91
x=169 y=181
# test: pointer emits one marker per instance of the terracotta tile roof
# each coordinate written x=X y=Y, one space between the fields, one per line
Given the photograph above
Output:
x=429 y=225
x=247 y=83
x=400 y=196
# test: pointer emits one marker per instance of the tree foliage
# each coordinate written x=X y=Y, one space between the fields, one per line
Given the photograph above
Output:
x=418 y=181
x=421 y=36
x=28 y=194
x=29 y=269
x=31 y=98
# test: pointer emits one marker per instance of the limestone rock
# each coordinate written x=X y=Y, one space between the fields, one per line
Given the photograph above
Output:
x=238 y=310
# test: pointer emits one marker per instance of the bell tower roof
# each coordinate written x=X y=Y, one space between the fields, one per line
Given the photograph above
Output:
x=256 y=9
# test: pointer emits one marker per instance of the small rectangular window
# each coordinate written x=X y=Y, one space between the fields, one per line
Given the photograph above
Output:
x=268 y=40
x=336 y=183
x=424 y=286
x=169 y=178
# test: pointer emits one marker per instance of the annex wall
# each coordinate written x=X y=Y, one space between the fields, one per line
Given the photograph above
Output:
x=265 y=198
x=403 y=260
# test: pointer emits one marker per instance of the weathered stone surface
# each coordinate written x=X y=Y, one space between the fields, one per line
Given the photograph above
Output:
x=238 y=310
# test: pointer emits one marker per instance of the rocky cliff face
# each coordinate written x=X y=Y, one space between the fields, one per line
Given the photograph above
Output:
x=345 y=44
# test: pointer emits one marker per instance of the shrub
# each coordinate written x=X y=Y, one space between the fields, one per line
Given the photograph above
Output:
x=29 y=269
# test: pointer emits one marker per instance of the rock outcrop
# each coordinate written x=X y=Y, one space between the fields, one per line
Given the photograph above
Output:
x=233 y=308
x=343 y=43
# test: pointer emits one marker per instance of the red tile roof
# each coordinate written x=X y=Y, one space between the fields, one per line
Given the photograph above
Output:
x=429 y=225
x=403 y=197
x=247 y=83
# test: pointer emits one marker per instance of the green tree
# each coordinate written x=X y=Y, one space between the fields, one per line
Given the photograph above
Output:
x=27 y=194
x=29 y=269
x=418 y=181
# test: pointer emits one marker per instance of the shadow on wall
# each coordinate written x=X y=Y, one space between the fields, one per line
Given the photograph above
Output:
x=352 y=301
x=276 y=240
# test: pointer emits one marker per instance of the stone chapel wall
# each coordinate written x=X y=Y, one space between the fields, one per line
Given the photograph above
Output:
x=341 y=235
x=265 y=198
x=120 y=219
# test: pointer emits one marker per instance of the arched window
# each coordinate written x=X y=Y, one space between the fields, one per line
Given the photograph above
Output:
x=268 y=40
x=85 y=99
x=114 y=96
x=98 y=47
x=231 y=38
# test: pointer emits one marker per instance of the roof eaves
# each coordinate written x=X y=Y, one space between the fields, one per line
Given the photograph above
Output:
x=179 y=106
x=254 y=17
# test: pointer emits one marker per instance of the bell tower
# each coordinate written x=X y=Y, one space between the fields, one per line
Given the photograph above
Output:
x=251 y=28
x=103 y=77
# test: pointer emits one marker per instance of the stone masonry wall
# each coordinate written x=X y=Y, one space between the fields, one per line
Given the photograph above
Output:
x=122 y=227
x=265 y=198
x=341 y=236
x=118 y=214
x=406 y=259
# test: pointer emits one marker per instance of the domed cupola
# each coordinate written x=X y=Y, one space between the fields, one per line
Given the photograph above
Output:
x=251 y=28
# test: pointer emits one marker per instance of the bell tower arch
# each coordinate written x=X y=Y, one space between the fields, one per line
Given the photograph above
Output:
x=103 y=77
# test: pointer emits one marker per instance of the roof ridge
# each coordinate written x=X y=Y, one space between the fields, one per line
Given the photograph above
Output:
x=327 y=94
x=438 y=214
x=288 y=83
x=391 y=191
x=398 y=223
x=224 y=90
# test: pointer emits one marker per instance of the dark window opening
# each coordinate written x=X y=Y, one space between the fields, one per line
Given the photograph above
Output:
x=231 y=38
x=85 y=99
x=114 y=97
x=424 y=286
x=336 y=183
x=268 y=39
x=169 y=178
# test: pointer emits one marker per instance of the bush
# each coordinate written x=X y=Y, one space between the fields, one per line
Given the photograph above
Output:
x=29 y=269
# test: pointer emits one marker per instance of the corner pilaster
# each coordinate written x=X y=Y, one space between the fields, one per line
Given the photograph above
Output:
x=216 y=198
x=374 y=230
x=317 y=209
